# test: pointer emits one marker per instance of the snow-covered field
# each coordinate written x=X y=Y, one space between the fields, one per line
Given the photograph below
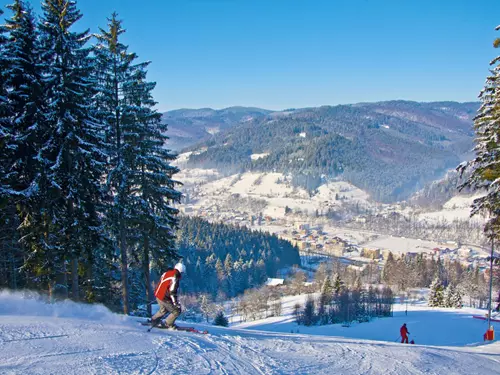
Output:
x=268 y=187
x=68 y=338
x=457 y=208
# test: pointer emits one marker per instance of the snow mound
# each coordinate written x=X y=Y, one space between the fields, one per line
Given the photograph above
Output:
x=33 y=304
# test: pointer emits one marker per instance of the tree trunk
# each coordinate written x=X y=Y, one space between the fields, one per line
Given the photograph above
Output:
x=89 y=278
x=75 y=290
x=147 y=275
x=52 y=285
x=64 y=275
x=124 y=268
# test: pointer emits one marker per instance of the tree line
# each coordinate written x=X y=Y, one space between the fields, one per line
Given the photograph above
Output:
x=224 y=260
x=86 y=187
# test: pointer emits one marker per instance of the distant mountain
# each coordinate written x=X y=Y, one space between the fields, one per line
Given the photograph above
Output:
x=390 y=149
x=188 y=126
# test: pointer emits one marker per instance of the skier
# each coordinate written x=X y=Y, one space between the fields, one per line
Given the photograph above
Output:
x=404 y=334
x=166 y=295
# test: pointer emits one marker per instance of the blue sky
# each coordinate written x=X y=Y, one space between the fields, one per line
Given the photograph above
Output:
x=281 y=54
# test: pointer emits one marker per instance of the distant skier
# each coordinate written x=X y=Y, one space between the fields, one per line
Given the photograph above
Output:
x=166 y=295
x=404 y=333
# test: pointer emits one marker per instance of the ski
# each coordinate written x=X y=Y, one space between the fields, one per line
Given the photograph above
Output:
x=179 y=328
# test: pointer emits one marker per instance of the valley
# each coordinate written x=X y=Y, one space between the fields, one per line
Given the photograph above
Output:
x=337 y=221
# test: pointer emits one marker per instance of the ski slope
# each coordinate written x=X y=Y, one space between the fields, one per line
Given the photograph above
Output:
x=68 y=338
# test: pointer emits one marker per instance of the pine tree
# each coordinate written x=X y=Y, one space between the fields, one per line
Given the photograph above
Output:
x=327 y=290
x=308 y=317
x=456 y=301
x=221 y=320
x=23 y=81
x=140 y=177
x=72 y=152
x=8 y=218
x=449 y=296
x=436 y=294
x=338 y=285
x=485 y=167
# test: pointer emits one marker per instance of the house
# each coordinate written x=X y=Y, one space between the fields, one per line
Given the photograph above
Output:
x=275 y=282
x=371 y=253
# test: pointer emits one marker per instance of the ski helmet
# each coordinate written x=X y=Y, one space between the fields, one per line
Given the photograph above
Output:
x=180 y=267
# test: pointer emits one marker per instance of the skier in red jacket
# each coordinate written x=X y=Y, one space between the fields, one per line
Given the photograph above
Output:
x=404 y=333
x=166 y=295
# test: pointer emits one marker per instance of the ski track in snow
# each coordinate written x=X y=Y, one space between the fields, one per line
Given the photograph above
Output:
x=69 y=338
x=72 y=346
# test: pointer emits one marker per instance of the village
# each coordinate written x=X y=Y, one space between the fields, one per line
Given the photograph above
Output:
x=318 y=238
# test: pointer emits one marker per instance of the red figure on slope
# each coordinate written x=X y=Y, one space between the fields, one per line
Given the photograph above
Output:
x=404 y=334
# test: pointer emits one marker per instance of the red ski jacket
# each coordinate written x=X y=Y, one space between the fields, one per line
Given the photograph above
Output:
x=169 y=283
x=403 y=331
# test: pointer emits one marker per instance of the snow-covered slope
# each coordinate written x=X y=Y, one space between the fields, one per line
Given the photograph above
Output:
x=68 y=338
x=274 y=189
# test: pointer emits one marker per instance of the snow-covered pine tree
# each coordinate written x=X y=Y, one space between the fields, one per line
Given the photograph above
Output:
x=456 y=301
x=4 y=107
x=449 y=296
x=485 y=167
x=338 y=284
x=23 y=79
x=8 y=218
x=73 y=150
x=325 y=298
x=141 y=175
x=436 y=294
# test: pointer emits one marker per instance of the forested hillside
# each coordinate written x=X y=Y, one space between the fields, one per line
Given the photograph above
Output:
x=224 y=259
x=390 y=149
x=188 y=126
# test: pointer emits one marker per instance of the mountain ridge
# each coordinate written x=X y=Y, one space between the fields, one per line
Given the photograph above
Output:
x=390 y=149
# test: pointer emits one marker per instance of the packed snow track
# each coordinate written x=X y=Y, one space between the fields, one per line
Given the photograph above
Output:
x=48 y=345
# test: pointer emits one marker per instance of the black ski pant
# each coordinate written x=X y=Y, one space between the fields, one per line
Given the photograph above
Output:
x=166 y=306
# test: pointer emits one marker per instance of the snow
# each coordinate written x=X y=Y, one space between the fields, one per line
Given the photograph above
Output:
x=183 y=158
x=457 y=208
x=428 y=326
x=258 y=156
x=274 y=282
x=212 y=188
x=68 y=338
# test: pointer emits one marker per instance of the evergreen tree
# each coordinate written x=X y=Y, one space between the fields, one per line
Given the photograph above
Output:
x=390 y=270
x=456 y=301
x=338 y=285
x=308 y=317
x=485 y=167
x=221 y=320
x=140 y=177
x=325 y=298
x=20 y=121
x=327 y=291
x=72 y=153
x=23 y=80
x=449 y=296
x=436 y=294
x=8 y=217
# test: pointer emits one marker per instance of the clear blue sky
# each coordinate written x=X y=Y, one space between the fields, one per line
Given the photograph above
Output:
x=280 y=54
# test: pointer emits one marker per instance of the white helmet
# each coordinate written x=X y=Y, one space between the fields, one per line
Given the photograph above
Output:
x=180 y=267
